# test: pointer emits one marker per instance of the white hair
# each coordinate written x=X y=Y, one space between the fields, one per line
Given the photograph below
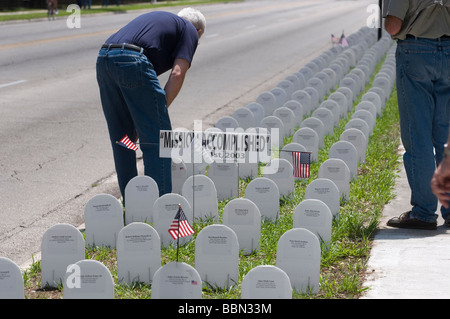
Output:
x=194 y=16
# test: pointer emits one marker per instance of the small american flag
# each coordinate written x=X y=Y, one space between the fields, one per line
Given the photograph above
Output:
x=126 y=142
x=343 y=40
x=180 y=226
x=301 y=162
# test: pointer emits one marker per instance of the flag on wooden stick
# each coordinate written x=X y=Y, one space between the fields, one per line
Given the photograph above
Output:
x=180 y=226
x=127 y=143
x=301 y=162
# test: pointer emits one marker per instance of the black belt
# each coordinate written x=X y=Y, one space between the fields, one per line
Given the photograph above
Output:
x=124 y=46
x=444 y=37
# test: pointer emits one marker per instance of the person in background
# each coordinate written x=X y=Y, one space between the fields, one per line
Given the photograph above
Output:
x=422 y=31
x=133 y=101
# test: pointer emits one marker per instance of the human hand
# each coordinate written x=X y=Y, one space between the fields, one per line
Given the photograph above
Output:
x=440 y=183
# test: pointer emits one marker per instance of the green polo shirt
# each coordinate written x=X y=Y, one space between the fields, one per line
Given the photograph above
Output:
x=421 y=18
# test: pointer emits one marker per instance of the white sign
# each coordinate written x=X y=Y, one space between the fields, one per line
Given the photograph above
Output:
x=225 y=147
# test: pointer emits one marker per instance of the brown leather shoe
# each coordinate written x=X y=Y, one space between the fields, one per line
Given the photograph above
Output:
x=405 y=221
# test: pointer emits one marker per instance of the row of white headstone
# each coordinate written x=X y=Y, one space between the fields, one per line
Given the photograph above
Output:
x=217 y=246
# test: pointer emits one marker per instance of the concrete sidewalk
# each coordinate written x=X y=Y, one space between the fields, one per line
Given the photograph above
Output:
x=408 y=264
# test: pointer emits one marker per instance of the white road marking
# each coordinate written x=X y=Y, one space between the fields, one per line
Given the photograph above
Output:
x=12 y=83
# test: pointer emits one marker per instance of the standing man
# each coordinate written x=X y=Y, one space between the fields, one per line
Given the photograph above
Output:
x=422 y=31
x=133 y=101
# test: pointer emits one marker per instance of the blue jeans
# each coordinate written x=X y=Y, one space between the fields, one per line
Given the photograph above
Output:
x=423 y=90
x=134 y=104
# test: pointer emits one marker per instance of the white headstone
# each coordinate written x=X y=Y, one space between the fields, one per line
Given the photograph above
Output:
x=301 y=79
x=177 y=280
x=347 y=152
x=375 y=99
x=338 y=171
x=327 y=118
x=268 y=102
x=317 y=125
x=225 y=178
x=317 y=84
x=359 y=141
x=282 y=173
x=366 y=116
x=340 y=99
x=244 y=218
x=383 y=83
x=280 y=95
x=314 y=215
x=337 y=68
x=140 y=193
x=275 y=127
x=11 y=280
x=351 y=84
x=360 y=82
x=217 y=256
x=304 y=99
x=61 y=246
x=298 y=109
x=332 y=77
x=380 y=92
x=138 y=253
x=314 y=94
x=287 y=116
x=295 y=82
x=103 y=217
x=348 y=95
x=298 y=254
x=309 y=138
x=333 y=106
x=257 y=111
x=306 y=72
x=325 y=190
x=201 y=194
x=244 y=117
x=266 y=282
x=165 y=210
x=359 y=124
x=265 y=194
x=368 y=106
x=326 y=80
x=88 y=279
x=227 y=123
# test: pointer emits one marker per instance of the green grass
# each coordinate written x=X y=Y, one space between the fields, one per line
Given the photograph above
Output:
x=343 y=264
x=39 y=14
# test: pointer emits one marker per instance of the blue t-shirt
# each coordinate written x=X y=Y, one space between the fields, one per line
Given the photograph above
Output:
x=164 y=37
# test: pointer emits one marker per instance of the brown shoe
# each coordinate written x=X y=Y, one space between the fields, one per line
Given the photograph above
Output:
x=405 y=221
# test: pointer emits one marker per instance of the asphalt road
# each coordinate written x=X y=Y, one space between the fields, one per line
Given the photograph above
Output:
x=55 y=152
